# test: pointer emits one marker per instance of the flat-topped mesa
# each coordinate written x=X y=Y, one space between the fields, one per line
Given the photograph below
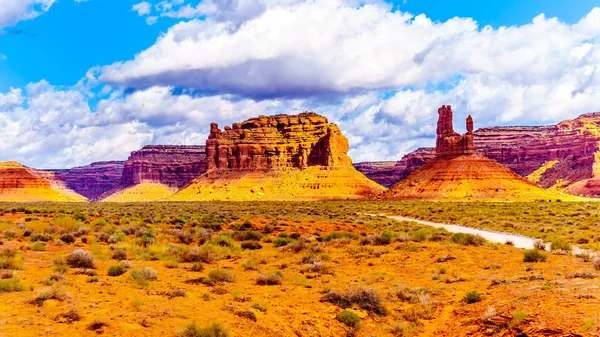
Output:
x=171 y=165
x=450 y=144
x=277 y=142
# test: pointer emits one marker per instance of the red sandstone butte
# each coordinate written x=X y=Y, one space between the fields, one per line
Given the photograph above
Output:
x=458 y=172
x=171 y=165
x=569 y=149
x=280 y=141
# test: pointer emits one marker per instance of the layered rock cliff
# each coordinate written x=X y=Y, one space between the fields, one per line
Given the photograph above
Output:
x=94 y=180
x=170 y=165
x=557 y=156
x=24 y=184
x=458 y=172
x=281 y=157
x=280 y=141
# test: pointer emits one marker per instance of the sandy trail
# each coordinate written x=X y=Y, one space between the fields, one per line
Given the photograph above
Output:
x=519 y=241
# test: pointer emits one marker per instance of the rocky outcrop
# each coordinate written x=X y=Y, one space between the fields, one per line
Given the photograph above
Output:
x=561 y=155
x=450 y=144
x=281 y=157
x=280 y=141
x=94 y=180
x=458 y=172
x=170 y=165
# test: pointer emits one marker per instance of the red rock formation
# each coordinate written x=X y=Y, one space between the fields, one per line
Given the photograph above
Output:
x=15 y=176
x=94 y=180
x=573 y=144
x=280 y=141
x=281 y=157
x=19 y=183
x=171 y=165
x=450 y=144
x=458 y=172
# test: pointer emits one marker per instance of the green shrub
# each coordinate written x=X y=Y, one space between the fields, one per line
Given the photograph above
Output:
x=339 y=235
x=221 y=276
x=10 y=285
x=466 y=239
x=560 y=244
x=117 y=270
x=420 y=235
x=269 y=280
x=213 y=330
x=280 y=242
x=533 y=255
x=38 y=246
x=472 y=297
x=349 y=318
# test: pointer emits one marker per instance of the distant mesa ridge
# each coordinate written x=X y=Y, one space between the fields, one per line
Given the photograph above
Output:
x=564 y=157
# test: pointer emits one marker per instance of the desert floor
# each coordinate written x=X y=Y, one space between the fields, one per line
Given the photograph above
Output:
x=293 y=269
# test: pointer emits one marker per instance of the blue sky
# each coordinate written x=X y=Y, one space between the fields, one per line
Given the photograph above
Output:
x=61 y=45
x=78 y=77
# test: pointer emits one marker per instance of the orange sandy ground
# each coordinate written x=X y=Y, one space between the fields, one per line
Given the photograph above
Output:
x=294 y=308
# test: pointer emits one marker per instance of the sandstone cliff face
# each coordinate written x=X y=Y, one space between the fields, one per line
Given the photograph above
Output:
x=280 y=141
x=170 y=165
x=559 y=155
x=16 y=176
x=458 y=172
x=19 y=183
x=281 y=157
x=94 y=180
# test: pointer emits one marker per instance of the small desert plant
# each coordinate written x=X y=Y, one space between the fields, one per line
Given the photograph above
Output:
x=472 y=297
x=67 y=238
x=213 y=330
x=270 y=279
x=280 y=242
x=539 y=245
x=339 y=235
x=534 y=255
x=349 y=318
x=251 y=245
x=117 y=270
x=55 y=292
x=221 y=276
x=80 y=259
x=596 y=263
x=468 y=239
x=38 y=246
x=560 y=245
x=196 y=267
x=365 y=298
x=10 y=285
x=143 y=275
x=119 y=254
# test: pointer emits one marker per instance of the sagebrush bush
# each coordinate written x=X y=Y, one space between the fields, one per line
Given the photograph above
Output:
x=534 y=255
x=117 y=270
x=10 y=285
x=349 y=318
x=560 y=244
x=269 y=279
x=366 y=298
x=221 y=276
x=213 y=330
x=466 y=239
x=143 y=275
x=472 y=297
x=80 y=259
